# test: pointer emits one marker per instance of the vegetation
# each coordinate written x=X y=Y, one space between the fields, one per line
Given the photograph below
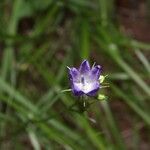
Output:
x=38 y=40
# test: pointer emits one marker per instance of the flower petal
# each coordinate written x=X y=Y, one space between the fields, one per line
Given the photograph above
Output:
x=74 y=74
x=76 y=89
x=84 y=67
x=94 y=90
x=87 y=88
x=95 y=72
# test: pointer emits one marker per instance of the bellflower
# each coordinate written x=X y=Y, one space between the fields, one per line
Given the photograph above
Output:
x=85 y=80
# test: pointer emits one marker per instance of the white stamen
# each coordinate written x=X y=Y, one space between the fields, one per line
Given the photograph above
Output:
x=68 y=67
x=93 y=64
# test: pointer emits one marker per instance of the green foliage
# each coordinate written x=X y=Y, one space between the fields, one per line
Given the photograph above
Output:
x=35 y=108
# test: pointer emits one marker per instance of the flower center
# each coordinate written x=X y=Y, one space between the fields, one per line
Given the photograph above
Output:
x=82 y=80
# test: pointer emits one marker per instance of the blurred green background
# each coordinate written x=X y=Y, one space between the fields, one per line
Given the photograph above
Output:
x=38 y=39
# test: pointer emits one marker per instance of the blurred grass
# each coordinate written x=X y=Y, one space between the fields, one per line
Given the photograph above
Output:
x=34 y=56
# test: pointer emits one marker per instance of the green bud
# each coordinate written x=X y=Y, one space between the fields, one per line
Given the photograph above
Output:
x=102 y=97
x=102 y=78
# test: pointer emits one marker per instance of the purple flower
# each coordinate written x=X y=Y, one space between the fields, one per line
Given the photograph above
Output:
x=85 y=80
